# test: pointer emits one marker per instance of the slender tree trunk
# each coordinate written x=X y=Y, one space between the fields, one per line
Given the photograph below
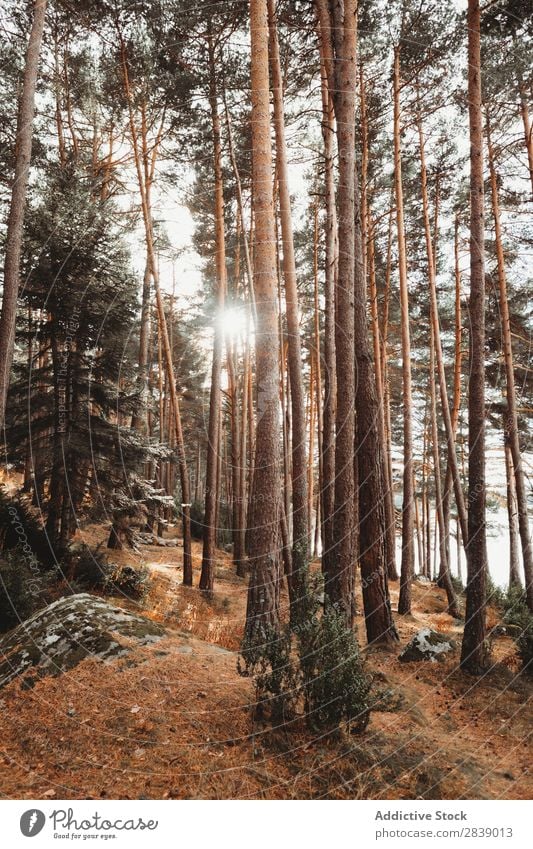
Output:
x=262 y=614
x=473 y=653
x=456 y=403
x=331 y=266
x=207 y=577
x=392 y=572
x=408 y=549
x=241 y=562
x=436 y=353
x=300 y=527
x=138 y=421
x=240 y=207
x=311 y=460
x=318 y=386
x=340 y=574
x=512 y=513
x=512 y=414
x=448 y=423
x=390 y=541
x=15 y=223
x=528 y=129
x=444 y=569
x=162 y=325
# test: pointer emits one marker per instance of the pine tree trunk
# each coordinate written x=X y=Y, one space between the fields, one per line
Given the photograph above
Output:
x=473 y=653
x=512 y=513
x=207 y=576
x=528 y=128
x=436 y=353
x=143 y=184
x=408 y=549
x=512 y=415
x=384 y=357
x=388 y=497
x=444 y=569
x=262 y=614
x=138 y=421
x=300 y=527
x=318 y=386
x=15 y=223
x=456 y=403
x=445 y=407
x=331 y=266
x=340 y=574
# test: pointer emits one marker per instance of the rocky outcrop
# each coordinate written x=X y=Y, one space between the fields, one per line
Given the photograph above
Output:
x=63 y=634
x=427 y=645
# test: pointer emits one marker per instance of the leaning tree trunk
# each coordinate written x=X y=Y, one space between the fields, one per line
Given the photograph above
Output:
x=473 y=652
x=207 y=576
x=444 y=570
x=300 y=527
x=456 y=403
x=262 y=613
x=408 y=545
x=512 y=414
x=15 y=222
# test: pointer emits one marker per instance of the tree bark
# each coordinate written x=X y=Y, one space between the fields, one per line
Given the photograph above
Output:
x=300 y=527
x=15 y=223
x=408 y=548
x=388 y=496
x=262 y=614
x=512 y=513
x=456 y=402
x=327 y=489
x=444 y=569
x=340 y=574
x=207 y=576
x=436 y=353
x=473 y=652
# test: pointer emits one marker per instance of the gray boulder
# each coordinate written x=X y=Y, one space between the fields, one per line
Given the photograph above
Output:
x=63 y=634
x=427 y=645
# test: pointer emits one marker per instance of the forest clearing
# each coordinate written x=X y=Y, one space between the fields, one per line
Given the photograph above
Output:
x=265 y=396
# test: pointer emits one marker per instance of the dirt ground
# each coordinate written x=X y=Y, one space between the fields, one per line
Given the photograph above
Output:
x=175 y=719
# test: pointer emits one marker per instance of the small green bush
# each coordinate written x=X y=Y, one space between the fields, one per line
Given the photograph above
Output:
x=197 y=520
x=457 y=584
x=314 y=664
x=495 y=595
x=519 y=622
x=335 y=683
x=224 y=534
x=277 y=675
x=128 y=581
x=91 y=568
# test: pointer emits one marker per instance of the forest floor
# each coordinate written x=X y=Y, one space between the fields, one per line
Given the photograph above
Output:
x=175 y=719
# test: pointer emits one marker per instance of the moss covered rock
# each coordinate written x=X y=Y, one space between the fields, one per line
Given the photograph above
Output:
x=427 y=645
x=61 y=635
